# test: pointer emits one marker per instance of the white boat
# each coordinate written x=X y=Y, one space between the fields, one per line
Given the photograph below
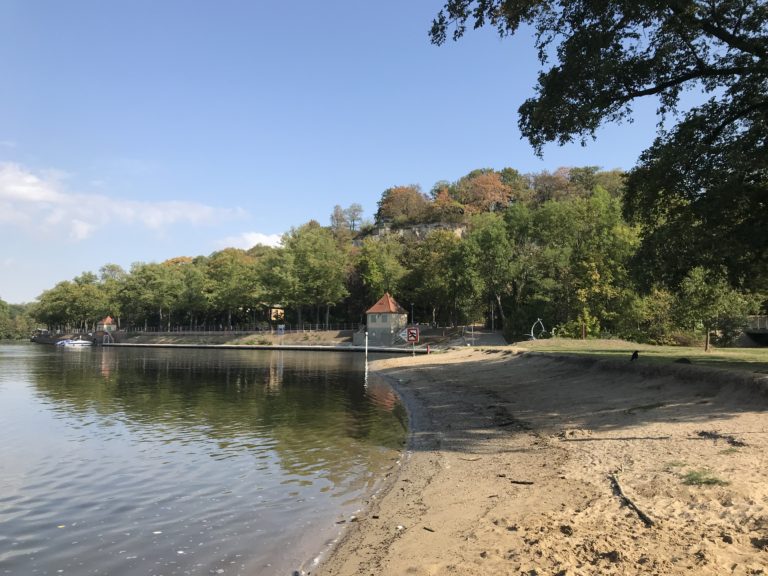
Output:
x=74 y=343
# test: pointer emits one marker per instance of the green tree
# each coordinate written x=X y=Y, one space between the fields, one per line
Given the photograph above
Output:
x=76 y=304
x=570 y=263
x=6 y=331
x=380 y=265
x=278 y=275
x=232 y=284
x=313 y=269
x=655 y=316
x=443 y=278
x=488 y=236
x=151 y=291
x=112 y=278
x=88 y=301
x=701 y=199
x=426 y=280
x=193 y=303
x=700 y=189
x=52 y=306
x=706 y=301
x=15 y=321
x=464 y=283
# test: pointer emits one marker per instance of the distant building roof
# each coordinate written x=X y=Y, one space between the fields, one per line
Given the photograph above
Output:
x=386 y=305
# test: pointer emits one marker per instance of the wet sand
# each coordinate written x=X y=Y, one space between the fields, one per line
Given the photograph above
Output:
x=529 y=464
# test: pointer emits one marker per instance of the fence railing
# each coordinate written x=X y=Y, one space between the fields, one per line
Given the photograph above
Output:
x=207 y=330
x=757 y=323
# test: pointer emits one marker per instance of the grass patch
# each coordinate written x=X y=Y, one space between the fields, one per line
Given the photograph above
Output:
x=731 y=450
x=702 y=478
x=753 y=360
x=670 y=466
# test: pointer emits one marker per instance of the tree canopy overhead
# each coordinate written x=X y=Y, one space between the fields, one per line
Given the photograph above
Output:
x=603 y=55
x=703 y=177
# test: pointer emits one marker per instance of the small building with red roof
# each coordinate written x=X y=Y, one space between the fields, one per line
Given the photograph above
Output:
x=106 y=325
x=385 y=320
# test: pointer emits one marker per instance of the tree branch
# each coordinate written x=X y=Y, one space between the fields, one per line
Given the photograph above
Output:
x=688 y=76
x=729 y=38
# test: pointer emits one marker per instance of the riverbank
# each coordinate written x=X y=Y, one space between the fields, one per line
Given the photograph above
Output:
x=337 y=340
x=533 y=464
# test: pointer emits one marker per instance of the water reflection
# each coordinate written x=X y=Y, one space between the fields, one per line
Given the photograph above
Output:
x=202 y=460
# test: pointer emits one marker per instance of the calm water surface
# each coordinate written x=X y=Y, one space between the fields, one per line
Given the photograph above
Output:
x=161 y=462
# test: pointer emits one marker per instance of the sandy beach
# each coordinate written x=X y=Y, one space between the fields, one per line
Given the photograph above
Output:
x=527 y=464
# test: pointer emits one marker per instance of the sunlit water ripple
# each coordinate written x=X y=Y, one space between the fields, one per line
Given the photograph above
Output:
x=183 y=461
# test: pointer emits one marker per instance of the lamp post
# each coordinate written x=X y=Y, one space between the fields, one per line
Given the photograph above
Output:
x=412 y=320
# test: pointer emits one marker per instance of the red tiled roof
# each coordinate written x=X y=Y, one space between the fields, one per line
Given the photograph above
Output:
x=107 y=320
x=386 y=305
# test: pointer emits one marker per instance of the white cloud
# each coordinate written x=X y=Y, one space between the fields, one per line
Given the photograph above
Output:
x=41 y=202
x=248 y=240
x=19 y=185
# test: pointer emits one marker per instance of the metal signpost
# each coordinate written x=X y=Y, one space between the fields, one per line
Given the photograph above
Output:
x=412 y=336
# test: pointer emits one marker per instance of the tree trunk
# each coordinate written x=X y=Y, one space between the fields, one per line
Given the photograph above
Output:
x=706 y=338
x=501 y=310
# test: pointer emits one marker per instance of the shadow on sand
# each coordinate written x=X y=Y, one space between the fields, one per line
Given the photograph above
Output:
x=503 y=393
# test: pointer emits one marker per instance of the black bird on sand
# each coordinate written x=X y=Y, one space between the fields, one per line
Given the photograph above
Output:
x=634 y=355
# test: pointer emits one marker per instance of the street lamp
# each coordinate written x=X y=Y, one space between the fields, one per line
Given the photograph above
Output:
x=412 y=320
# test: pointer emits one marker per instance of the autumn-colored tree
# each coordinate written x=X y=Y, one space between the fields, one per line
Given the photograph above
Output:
x=551 y=185
x=482 y=191
x=444 y=208
x=402 y=205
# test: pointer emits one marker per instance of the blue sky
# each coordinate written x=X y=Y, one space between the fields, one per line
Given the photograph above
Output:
x=143 y=130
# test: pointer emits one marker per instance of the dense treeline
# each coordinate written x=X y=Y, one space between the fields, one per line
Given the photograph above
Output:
x=15 y=321
x=498 y=247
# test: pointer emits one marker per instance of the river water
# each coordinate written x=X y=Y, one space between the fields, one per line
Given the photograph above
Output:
x=163 y=462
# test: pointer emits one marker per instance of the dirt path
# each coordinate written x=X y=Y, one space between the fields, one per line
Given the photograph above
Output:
x=521 y=464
